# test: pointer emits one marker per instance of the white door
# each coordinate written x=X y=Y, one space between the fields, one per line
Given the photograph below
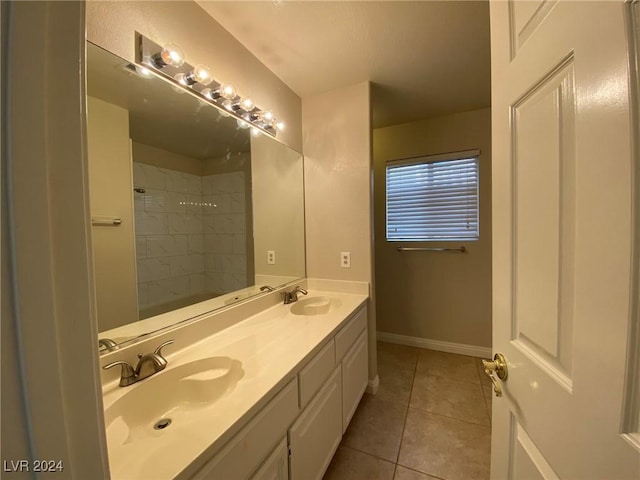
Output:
x=562 y=241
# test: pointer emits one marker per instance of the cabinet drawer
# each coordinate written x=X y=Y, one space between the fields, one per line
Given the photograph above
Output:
x=317 y=432
x=244 y=452
x=313 y=375
x=350 y=332
x=355 y=376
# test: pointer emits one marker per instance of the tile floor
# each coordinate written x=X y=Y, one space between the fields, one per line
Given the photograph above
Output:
x=431 y=419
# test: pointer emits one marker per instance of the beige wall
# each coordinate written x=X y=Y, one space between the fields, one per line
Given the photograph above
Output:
x=110 y=187
x=435 y=296
x=164 y=159
x=278 y=208
x=337 y=169
x=111 y=25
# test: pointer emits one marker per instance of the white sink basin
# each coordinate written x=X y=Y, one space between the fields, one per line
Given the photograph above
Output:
x=315 y=306
x=164 y=401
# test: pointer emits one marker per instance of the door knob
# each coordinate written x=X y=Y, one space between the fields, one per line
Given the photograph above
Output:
x=499 y=366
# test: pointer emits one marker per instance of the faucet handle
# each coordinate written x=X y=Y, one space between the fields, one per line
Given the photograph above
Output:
x=299 y=289
x=127 y=375
x=158 y=351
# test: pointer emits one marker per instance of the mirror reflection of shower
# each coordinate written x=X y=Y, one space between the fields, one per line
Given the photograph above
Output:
x=190 y=229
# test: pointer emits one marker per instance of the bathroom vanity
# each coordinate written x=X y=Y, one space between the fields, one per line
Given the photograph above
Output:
x=270 y=396
x=236 y=384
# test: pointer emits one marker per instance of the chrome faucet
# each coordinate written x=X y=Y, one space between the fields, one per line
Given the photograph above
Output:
x=292 y=296
x=107 y=345
x=147 y=365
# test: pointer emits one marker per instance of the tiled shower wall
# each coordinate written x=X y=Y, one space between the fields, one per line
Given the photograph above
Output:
x=190 y=235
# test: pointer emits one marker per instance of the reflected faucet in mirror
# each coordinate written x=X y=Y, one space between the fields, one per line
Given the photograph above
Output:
x=107 y=345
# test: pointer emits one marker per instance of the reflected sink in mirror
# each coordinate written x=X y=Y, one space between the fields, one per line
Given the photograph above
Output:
x=315 y=306
x=166 y=400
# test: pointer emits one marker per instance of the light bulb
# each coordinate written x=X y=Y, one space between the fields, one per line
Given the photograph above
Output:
x=247 y=104
x=201 y=74
x=267 y=117
x=280 y=126
x=227 y=91
x=144 y=71
x=243 y=124
x=228 y=104
x=172 y=55
x=255 y=132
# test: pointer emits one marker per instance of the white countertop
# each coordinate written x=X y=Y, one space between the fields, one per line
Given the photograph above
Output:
x=272 y=345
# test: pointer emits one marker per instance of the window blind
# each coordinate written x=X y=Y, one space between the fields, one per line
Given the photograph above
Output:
x=433 y=200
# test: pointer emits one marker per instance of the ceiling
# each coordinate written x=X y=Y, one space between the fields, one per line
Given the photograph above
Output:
x=424 y=58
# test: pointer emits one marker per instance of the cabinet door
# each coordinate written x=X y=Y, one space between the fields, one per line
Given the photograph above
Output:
x=276 y=466
x=244 y=452
x=355 y=368
x=315 y=435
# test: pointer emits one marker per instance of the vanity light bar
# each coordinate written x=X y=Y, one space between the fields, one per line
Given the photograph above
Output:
x=169 y=62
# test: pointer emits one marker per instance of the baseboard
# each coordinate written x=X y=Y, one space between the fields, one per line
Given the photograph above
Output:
x=450 y=347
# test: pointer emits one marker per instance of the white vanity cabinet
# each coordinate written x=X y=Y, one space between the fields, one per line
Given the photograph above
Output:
x=276 y=466
x=352 y=351
x=355 y=367
x=315 y=435
x=245 y=452
x=313 y=410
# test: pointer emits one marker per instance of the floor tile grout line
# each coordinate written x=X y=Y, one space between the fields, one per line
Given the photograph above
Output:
x=367 y=453
x=455 y=380
x=450 y=418
x=404 y=424
x=420 y=472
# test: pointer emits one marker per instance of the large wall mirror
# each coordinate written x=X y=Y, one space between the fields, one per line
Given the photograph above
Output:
x=186 y=205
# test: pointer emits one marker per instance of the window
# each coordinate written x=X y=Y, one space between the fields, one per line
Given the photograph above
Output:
x=433 y=198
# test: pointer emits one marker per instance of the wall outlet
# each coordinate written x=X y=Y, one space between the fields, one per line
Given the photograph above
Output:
x=271 y=257
x=345 y=259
